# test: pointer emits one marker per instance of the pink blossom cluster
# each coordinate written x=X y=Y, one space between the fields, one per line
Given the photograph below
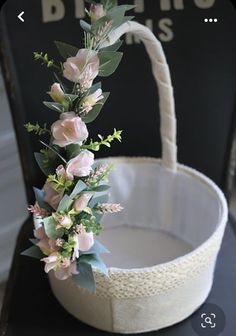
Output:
x=63 y=267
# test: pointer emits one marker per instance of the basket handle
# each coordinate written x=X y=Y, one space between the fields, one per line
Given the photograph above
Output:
x=161 y=74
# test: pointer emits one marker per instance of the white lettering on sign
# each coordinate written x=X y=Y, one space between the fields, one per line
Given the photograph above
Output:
x=167 y=33
x=204 y=3
x=79 y=9
x=167 y=4
x=139 y=6
x=52 y=10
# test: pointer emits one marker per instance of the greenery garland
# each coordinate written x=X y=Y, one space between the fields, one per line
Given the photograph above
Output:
x=67 y=210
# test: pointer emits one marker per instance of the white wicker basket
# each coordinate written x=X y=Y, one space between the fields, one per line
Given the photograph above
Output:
x=165 y=242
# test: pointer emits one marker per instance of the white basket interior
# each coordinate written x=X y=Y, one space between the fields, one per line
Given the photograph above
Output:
x=166 y=214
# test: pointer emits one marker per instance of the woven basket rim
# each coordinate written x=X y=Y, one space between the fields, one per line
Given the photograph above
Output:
x=220 y=225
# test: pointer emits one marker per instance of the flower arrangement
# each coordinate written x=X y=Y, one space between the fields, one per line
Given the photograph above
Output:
x=67 y=210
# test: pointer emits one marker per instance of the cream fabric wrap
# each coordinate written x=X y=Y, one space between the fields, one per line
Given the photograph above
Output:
x=182 y=209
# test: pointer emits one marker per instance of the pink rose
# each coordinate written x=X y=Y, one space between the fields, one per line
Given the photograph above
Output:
x=82 y=68
x=80 y=165
x=52 y=196
x=70 y=129
x=96 y=12
x=56 y=93
x=81 y=202
x=65 y=271
x=83 y=242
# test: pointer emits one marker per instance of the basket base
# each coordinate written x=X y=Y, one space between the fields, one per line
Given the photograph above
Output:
x=138 y=247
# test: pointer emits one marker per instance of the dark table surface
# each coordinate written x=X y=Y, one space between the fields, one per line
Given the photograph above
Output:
x=30 y=308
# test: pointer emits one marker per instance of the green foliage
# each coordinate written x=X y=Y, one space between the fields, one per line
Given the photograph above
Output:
x=34 y=252
x=109 y=4
x=85 y=278
x=93 y=114
x=42 y=163
x=72 y=151
x=39 y=196
x=109 y=61
x=95 y=261
x=95 y=146
x=99 y=175
x=97 y=248
x=85 y=26
x=60 y=108
x=54 y=150
x=91 y=225
x=65 y=204
x=68 y=247
x=60 y=183
x=80 y=186
x=37 y=129
x=66 y=50
x=43 y=57
x=65 y=220
x=50 y=228
x=101 y=188
x=113 y=47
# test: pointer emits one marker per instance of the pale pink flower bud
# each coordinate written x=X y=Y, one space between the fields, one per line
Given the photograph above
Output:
x=61 y=172
x=51 y=261
x=62 y=220
x=82 y=202
x=80 y=165
x=63 y=273
x=56 y=93
x=88 y=102
x=82 y=68
x=70 y=129
x=96 y=12
x=52 y=196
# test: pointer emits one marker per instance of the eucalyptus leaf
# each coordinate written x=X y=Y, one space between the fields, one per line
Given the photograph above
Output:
x=59 y=80
x=34 y=252
x=39 y=159
x=55 y=106
x=80 y=186
x=97 y=248
x=101 y=188
x=50 y=228
x=66 y=50
x=93 y=114
x=115 y=15
x=85 y=26
x=113 y=47
x=127 y=18
x=39 y=196
x=108 y=4
x=95 y=261
x=72 y=151
x=94 y=88
x=85 y=278
x=54 y=151
x=109 y=61
x=71 y=97
x=65 y=203
x=98 y=200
